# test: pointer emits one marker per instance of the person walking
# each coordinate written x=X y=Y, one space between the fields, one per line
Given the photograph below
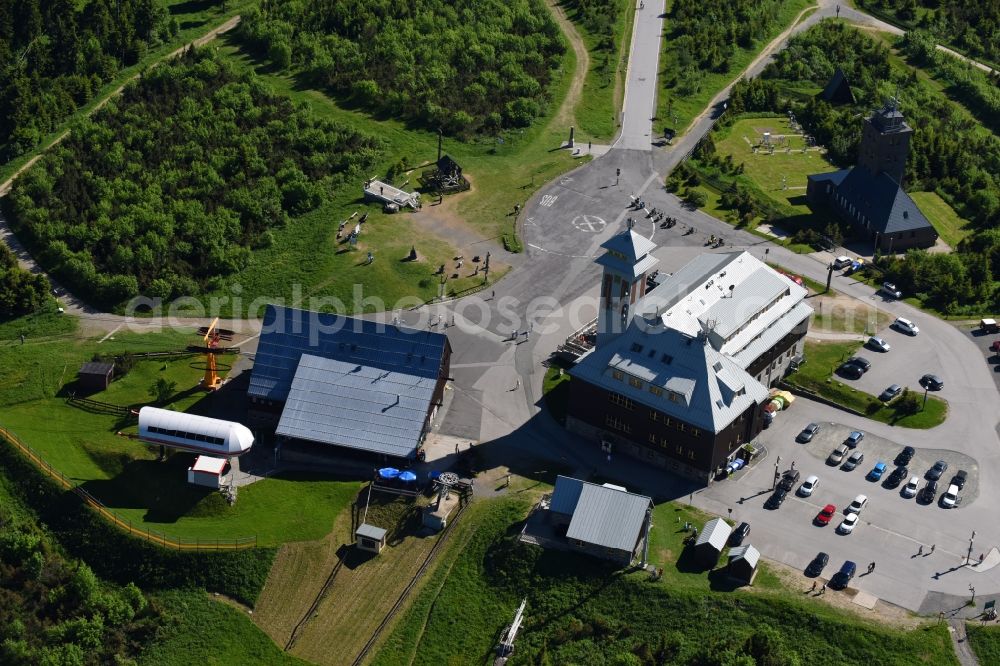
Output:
x=871 y=567
x=920 y=550
x=823 y=589
x=933 y=546
x=813 y=588
x=518 y=384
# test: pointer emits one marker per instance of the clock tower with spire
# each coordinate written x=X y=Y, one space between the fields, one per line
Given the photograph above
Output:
x=626 y=263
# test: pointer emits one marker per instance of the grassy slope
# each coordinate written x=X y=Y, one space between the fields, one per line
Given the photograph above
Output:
x=816 y=374
x=195 y=18
x=669 y=106
x=600 y=103
x=985 y=642
x=123 y=473
x=458 y=615
x=946 y=221
x=201 y=630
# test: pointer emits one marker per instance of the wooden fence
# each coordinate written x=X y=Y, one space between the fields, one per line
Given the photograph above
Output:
x=125 y=524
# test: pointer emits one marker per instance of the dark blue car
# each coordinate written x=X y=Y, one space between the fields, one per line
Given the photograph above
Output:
x=841 y=579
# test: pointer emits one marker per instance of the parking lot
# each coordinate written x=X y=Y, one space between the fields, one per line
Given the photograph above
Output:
x=908 y=359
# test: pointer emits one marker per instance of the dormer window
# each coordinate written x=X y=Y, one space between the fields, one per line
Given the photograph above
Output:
x=636 y=347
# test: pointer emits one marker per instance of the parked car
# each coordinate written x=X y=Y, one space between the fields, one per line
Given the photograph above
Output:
x=896 y=477
x=995 y=347
x=878 y=344
x=905 y=326
x=889 y=289
x=855 y=266
x=826 y=514
x=928 y=492
x=905 y=456
x=989 y=326
x=910 y=489
x=950 y=497
x=775 y=500
x=808 y=486
x=959 y=478
x=854 y=438
x=861 y=362
x=847 y=525
x=877 y=471
x=817 y=565
x=850 y=371
x=935 y=472
x=842 y=578
x=841 y=262
x=855 y=459
x=739 y=534
x=789 y=479
x=768 y=419
x=890 y=392
x=858 y=503
x=808 y=433
x=837 y=455
x=932 y=382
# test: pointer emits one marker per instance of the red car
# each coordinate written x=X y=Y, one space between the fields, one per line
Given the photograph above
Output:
x=824 y=516
x=995 y=346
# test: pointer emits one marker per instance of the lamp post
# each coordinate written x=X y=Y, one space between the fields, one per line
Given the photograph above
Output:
x=968 y=557
x=774 y=485
x=973 y=590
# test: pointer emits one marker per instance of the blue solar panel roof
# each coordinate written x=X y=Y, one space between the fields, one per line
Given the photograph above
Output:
x=288 y=333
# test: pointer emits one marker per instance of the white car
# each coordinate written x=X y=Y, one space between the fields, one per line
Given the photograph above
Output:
x=859 y=503
x=950 y=498
x=808 y=486
x=841 y=262
x=889 y=289
x=905 y=326
x=910 y=489
x=878 y=344
x=848 y=524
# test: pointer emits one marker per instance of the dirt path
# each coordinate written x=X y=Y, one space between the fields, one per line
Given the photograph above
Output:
x=565 y=115
x=960 y=641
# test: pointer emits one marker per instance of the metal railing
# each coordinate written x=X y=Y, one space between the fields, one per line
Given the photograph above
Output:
x=125 y=524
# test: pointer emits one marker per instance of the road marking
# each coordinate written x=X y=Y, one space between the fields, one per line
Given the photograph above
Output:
x=110 y=334
x=566 y=181
x=561 y=254
x=549 y=199
x=589 y=223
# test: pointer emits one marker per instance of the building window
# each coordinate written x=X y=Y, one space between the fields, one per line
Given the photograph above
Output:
x=691 y=454
x=617 y=423
x=673 y=397
x=681 y=426
x=664 y=443
x=618 y=374
x=695 y=432
x=621 y=401
x=680 y=450
x=654 y=415
x=635 y=382
x=655 y=390
x=667 y=420
x=652 y=439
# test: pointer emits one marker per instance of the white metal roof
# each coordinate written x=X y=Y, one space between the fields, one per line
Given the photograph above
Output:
x=604 y=515
x=716 y=533
x=371 y=532
x=745 y=552
x=237 y=436
x=209 y=465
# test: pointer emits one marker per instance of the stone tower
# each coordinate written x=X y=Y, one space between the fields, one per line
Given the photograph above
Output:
x=885 y=142
x=623 y=283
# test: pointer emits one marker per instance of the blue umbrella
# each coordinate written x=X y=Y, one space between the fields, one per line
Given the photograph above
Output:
x=407 y=476
x=388 y=472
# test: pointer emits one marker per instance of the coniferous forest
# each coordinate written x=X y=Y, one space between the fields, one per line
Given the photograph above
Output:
x=56 y=54
x=176 y=181
x=465 y=66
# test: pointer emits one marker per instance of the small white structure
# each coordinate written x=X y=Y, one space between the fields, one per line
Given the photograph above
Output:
x=190 y=432
x=370 y=538
x=208 y=472
x=384 y=193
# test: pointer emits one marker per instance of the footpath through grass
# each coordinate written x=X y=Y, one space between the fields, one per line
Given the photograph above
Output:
x=123 y=473
x=985 y=642
x=582 y=611
x=816 y=375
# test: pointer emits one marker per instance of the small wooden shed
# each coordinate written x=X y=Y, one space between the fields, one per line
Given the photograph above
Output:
x=370 y=538
x=95 y=376
x=743 y=563
x=711 y=541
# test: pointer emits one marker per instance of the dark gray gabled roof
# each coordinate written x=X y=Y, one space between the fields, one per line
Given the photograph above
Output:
x=371 y=532
x=881 y=199
x=565 y=495
x=94 y=368
x=288 y=333
x=356 y=406
x=838 y=90
x=608 y=517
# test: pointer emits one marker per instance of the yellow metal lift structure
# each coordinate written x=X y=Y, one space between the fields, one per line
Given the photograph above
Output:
x=211 y=381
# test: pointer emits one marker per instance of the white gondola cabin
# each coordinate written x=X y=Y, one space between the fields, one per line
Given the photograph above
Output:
x=191 y=432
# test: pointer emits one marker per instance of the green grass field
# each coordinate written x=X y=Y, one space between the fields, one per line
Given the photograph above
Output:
x=201 y=630
x=581 y=611
x=985 y=642
x=952 y=229
x=123 y=473
x=597 y=113
x=679 y=111
x=817 y=375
